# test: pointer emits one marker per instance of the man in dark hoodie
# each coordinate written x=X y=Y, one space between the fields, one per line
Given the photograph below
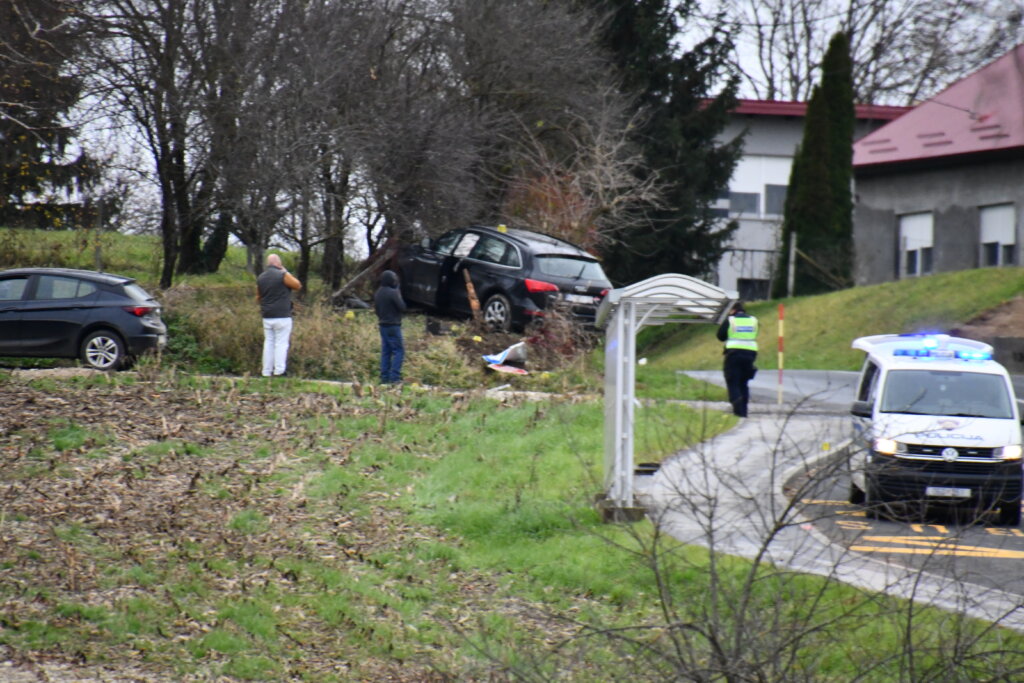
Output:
x=389 y=306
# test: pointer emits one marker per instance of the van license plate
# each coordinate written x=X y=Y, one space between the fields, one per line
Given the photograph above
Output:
x=946 y=492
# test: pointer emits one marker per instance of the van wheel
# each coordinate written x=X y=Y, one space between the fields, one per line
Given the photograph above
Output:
x=1009 y=514
x=856 y=495
x=103 y=350
x=872 y=509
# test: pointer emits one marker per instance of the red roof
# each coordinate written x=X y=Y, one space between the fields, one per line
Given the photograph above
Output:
x=876 y=112
x=983 y=112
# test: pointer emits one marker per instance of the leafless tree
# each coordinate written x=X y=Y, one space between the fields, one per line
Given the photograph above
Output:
x=591 y=194
x=903 y=50
x=297 y=121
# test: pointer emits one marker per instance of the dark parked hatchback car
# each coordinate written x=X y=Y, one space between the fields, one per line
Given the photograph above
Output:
x=106 y=320
x=516 y=274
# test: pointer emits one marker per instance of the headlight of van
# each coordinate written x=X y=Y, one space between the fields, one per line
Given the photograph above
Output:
x=1009 y=452
x=889 y=446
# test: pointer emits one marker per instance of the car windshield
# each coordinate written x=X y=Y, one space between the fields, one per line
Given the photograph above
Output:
x=940 y=392
x=569 y=267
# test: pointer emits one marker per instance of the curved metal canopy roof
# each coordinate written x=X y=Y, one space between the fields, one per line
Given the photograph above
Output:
x=669 y=298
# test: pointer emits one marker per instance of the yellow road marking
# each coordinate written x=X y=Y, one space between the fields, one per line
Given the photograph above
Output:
x=959 y=552
x=933 y=545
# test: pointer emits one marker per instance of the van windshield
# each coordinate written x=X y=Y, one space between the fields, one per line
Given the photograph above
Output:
x=941 y=392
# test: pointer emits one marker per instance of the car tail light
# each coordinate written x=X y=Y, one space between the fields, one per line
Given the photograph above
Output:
x=534 y=286
x=604 y=293
x=139 y=311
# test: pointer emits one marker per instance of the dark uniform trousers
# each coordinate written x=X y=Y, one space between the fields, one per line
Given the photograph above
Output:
x=738 y=370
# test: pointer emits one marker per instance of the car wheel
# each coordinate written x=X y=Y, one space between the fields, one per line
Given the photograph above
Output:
x=1009 y=514
x=497 y=313
x=103 y=350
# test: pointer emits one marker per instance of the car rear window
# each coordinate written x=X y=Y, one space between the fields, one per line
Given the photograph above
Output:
x=494 y=250
x=59 y=287
x=569 y=267
x=12 y=288
x=136 y=293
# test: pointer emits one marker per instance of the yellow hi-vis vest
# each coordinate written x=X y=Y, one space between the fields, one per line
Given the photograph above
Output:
x=742 y=333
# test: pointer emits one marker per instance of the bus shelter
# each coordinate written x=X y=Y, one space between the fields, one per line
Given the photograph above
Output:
x=659 y=300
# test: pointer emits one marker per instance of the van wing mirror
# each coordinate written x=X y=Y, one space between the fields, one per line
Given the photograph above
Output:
x=861 y=408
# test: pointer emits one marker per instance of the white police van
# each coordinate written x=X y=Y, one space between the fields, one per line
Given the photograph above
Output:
x=935 y=420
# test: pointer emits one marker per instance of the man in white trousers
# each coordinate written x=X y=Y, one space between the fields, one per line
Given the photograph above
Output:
x=274 y=289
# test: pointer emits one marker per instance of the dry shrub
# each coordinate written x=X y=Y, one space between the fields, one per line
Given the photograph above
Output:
x=330 y=345
x=222 y=322
x=438 y=361
x=223 y=329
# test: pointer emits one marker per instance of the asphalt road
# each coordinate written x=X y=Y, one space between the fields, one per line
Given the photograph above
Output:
x=791 y=450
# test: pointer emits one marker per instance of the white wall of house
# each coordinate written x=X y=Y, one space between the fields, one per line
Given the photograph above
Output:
x=757 y=193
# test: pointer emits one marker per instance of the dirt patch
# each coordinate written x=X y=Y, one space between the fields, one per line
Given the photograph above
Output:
x=1005 y=320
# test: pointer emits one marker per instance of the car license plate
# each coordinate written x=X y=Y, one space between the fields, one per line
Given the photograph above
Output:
x=161 y=340
x=946 y=492
x=579 y=298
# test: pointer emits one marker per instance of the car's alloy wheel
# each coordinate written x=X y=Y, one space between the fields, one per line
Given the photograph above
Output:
x=103 y=350
x=498 y=313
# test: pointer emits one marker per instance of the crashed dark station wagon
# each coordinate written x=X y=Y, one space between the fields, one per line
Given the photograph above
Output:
x=517 y=275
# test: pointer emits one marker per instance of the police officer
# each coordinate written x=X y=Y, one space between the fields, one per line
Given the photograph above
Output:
x=739 y=332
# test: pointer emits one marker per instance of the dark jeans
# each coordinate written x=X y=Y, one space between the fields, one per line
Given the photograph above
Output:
x=739 y=369
x=392 y=353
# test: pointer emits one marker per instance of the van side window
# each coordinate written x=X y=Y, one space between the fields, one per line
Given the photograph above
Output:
x=868 y=381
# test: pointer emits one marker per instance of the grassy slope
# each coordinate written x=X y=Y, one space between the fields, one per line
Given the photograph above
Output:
x=819 y=329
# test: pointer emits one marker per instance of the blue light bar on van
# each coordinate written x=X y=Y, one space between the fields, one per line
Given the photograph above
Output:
x=974 y=355
x=943 y=353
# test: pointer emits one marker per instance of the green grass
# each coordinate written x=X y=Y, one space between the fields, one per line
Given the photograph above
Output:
x=410 y=531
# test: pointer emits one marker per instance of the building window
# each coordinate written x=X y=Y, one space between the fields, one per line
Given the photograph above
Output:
x=998 y=235
x=990 y=254
x=751 y=289
x=744 y=202
x=926 y=260
x=775 y=199
x=916 y=243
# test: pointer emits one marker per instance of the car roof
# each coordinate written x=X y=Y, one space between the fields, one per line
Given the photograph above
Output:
x=539 y=242
x=95 y=276
x=929 y=351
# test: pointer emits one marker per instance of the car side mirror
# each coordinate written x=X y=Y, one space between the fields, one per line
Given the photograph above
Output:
x=861 y=409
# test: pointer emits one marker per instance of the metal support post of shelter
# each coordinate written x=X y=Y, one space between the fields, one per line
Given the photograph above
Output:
x=659 y=300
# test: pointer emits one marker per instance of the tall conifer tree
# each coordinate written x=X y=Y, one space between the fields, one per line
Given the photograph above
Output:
x=819 y=202
x=36 y=40
x=684 y=116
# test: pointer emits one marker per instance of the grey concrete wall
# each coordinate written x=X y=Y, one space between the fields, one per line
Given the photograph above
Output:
x=952 y=194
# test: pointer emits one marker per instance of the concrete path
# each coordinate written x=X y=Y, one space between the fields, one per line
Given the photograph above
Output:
x=729 y=494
